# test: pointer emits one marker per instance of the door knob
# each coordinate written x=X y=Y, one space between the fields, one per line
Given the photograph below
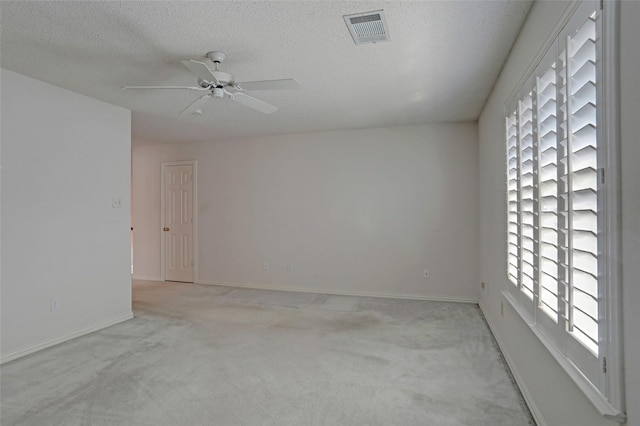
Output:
x=166 y=228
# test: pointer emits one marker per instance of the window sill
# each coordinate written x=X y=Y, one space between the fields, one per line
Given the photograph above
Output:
x=598 y=400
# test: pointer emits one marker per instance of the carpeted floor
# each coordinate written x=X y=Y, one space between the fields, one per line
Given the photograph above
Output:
x=205 y=355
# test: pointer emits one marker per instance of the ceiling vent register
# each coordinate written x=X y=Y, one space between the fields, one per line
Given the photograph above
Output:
x=368 y=27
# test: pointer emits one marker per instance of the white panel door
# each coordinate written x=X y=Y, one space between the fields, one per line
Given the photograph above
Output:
x=178 y=226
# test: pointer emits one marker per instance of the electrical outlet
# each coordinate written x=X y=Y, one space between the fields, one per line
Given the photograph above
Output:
x=55 y=304
x=426 y=273
x=482 y=285
x=116 y=202
x=290 y=267
x=265 y=266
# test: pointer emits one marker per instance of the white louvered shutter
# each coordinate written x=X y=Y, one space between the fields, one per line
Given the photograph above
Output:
x=561 y=239
x=513 y=241
x=528 y=228
x=548 y=192
x=582 y=188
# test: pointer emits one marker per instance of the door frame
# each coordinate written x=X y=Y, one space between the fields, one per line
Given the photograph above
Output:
x=194 y=200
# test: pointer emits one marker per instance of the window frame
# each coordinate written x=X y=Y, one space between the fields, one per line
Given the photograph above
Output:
x=606 y=392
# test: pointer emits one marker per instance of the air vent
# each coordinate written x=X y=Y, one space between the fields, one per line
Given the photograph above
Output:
x=368 y=27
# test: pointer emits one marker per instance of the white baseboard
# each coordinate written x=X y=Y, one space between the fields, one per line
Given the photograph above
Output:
x=528 y=398
x=384 y=295
x=146 y=278
x=57 y=341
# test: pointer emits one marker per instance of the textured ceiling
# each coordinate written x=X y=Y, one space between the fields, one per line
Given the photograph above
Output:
x=440 y=65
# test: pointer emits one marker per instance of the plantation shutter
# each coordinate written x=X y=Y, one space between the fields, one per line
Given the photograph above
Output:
x=548 y=187
x=579 y=195
x=561 y=240
x=513 y=211
x=553 y=195
x=582 y=185
x=528 y=201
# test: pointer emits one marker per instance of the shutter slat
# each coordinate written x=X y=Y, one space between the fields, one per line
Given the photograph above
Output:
x=585 y=95
x=586 y=52
x=587 y=32
x=585 y=116
x=585 y=157
x=585 y=339
x=586 y=73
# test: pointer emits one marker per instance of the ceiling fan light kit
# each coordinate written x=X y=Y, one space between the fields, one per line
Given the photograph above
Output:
x=218 y=92
x=219 y=83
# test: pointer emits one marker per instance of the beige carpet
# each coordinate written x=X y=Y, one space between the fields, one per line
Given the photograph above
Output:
x=204 y=355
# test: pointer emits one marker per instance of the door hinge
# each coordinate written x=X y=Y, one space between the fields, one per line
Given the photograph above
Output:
x=601 y=4
x=602 y=175
x=604 y=365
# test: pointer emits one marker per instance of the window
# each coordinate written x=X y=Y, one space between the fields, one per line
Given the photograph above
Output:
x=561 y=216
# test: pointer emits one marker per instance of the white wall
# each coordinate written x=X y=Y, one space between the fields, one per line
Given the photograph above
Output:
x=63 y=158
x=362 y=211
x=556 y=399
x=630 y=138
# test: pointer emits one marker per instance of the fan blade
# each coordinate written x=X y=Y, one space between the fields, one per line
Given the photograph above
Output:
x=285 y=84
x=196 y=105
x=201 y=70
x=165 y=87
x=255 y=103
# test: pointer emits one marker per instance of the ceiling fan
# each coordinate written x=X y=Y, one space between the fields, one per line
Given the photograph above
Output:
x=220 y=84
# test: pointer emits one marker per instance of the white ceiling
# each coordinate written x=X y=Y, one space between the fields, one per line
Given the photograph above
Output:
x=440 y=65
